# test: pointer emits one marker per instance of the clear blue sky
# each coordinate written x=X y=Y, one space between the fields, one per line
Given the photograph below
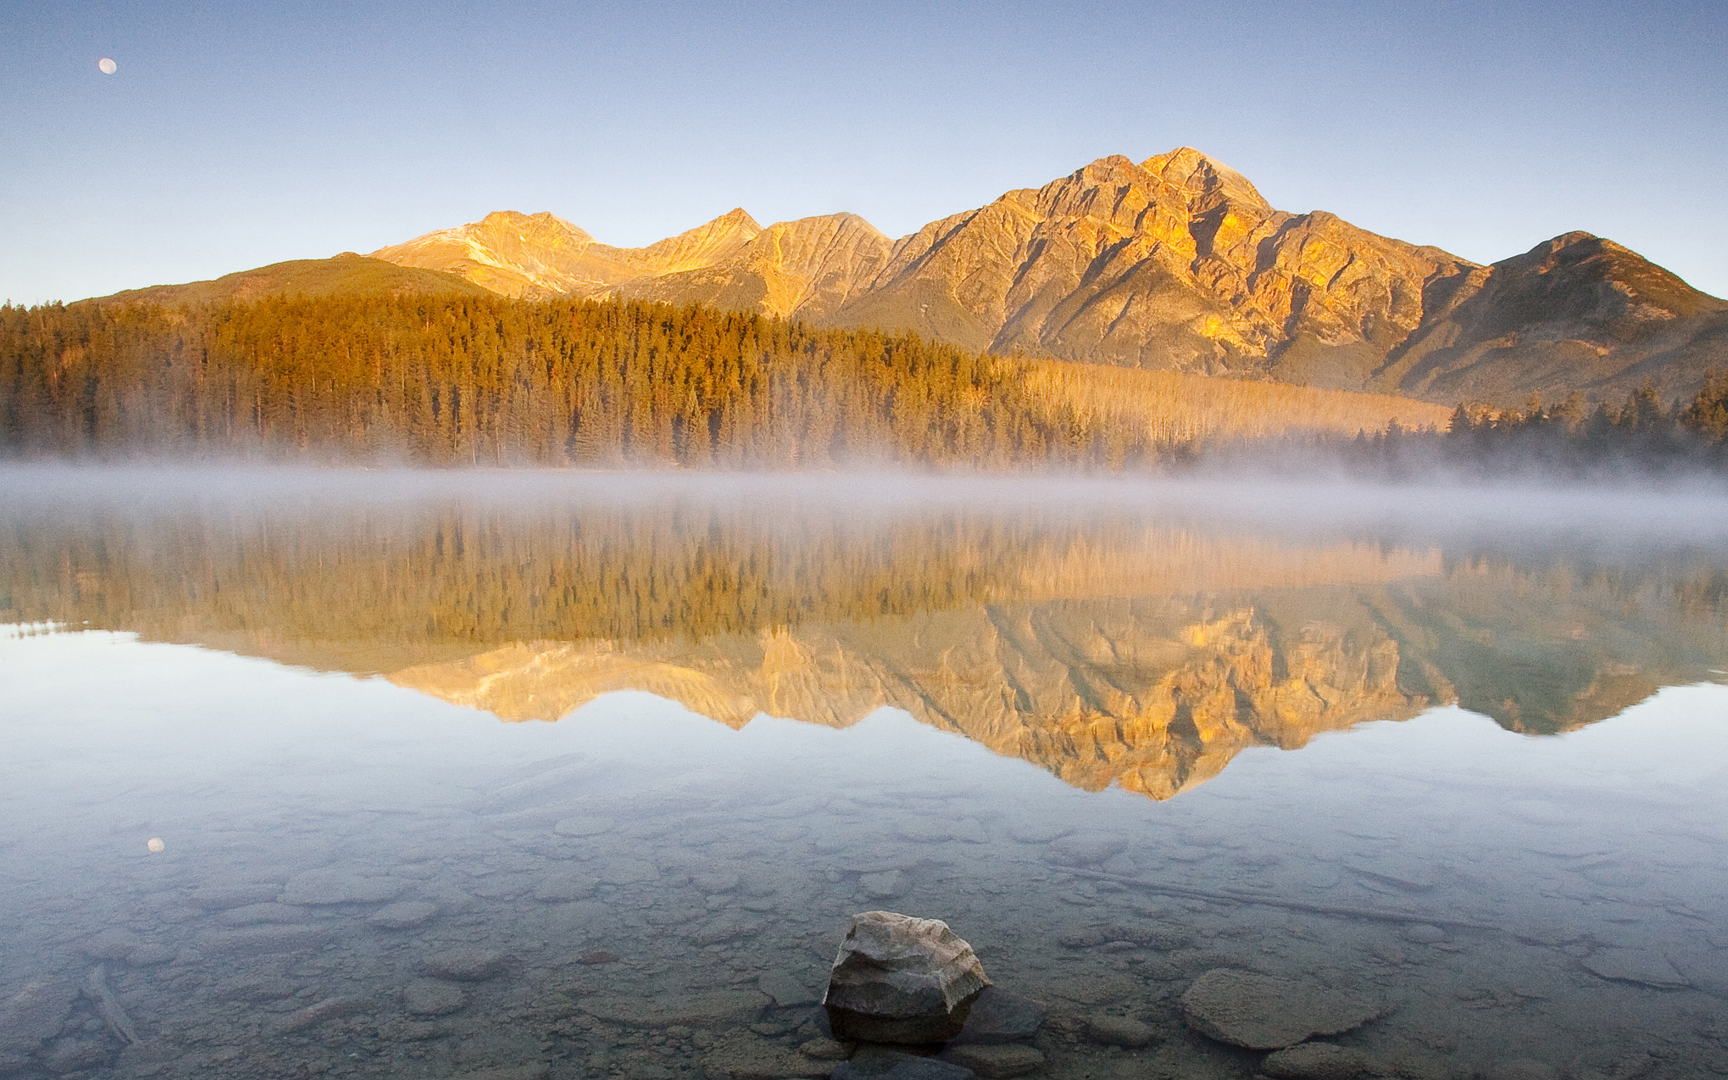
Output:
x=235 y=135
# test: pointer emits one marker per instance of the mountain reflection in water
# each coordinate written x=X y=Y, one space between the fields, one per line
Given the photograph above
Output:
x=1141 y=639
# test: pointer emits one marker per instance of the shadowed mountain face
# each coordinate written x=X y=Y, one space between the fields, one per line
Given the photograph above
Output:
x=1576 y=313
x=1109 y=644
x=1176 y=262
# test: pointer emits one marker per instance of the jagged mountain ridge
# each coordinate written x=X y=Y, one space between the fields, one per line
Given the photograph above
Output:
x=541 y=255
x=1176 y=262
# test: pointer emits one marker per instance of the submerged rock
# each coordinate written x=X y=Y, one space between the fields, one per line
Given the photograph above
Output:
x=822 y=1048
x=787 y=990
x=998 y=1016
x=431 y=997
x=260 y=940
x=403 y=915
x=1520 y=1069
x=533 y=1071
x=883 y=886
x=233 y=895
x=1315 y=1061
x=466 y=964
x=900 y=979
x=1424 y=934
x=1088 y=849
x=1119 y=1031
x=1635 y=966
x=34 y=1013
x=880 y=1063
x=995 y=1060
x=330 y=1008
x=1262 y=1012
x=329 y=887
x=729 y=1008
x=744 y=1056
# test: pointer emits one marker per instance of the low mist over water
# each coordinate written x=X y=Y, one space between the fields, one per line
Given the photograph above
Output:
x=581 y=774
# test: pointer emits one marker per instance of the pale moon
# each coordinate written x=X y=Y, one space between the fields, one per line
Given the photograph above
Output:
x=156 y=845
x=107 y=66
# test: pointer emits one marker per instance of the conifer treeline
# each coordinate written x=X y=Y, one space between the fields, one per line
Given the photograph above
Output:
x=449 y=380
x=1638 y=435
x=460 y=380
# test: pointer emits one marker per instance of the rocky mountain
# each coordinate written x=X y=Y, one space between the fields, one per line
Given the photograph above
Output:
x=1574 y=313
x=539 y=255
x=1176 y=262
x=808 y=269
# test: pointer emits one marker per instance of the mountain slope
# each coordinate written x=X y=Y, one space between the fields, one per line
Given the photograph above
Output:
x=806 y=269
x=1574 y=313
x=347 y=274
x=1173 y=263
x=1177 y=262
x=534 y=256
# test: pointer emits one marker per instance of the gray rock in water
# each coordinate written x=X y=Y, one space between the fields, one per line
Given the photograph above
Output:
x=1088 y=849
x=883 y=886
x=745 y=1056
x=877 y=1063
x=223 y=897
x=822 y=1048
x=787 y=990
x=403 y=915
x=998 y=1016
x=335 y=886
x=563 y=888
x=110 y=945
x=261 y=915
x=1315 y=1061
x=267 y=939
x=33 y=1014
x=253 y=991
x=466 y=964
x=1635 y=966
x=996 y=1060
x=429 y=997
x=900 y=979
x=1119 y=1031
x=538 y=1070
x=1262 y=1012
x=74 y=1055
x=330 y=1008
x=1424 y=934
x=151 y=955
x=1520 y=1069
x=715 y=1008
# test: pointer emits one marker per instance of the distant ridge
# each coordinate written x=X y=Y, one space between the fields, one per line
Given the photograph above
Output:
x=346 y=274
x=1176 y=262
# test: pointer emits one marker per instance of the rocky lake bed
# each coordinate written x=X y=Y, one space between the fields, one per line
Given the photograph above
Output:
x=570 y=916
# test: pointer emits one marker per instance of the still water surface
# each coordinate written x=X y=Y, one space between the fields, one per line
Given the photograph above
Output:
x=582 y=776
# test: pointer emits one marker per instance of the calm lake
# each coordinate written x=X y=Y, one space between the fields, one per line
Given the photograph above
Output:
x=519 y=775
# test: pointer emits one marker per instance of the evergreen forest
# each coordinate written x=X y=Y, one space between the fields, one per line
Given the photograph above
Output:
x=453 y=379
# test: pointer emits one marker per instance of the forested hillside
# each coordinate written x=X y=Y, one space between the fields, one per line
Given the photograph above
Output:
x=486 y=379
x=482 y=379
